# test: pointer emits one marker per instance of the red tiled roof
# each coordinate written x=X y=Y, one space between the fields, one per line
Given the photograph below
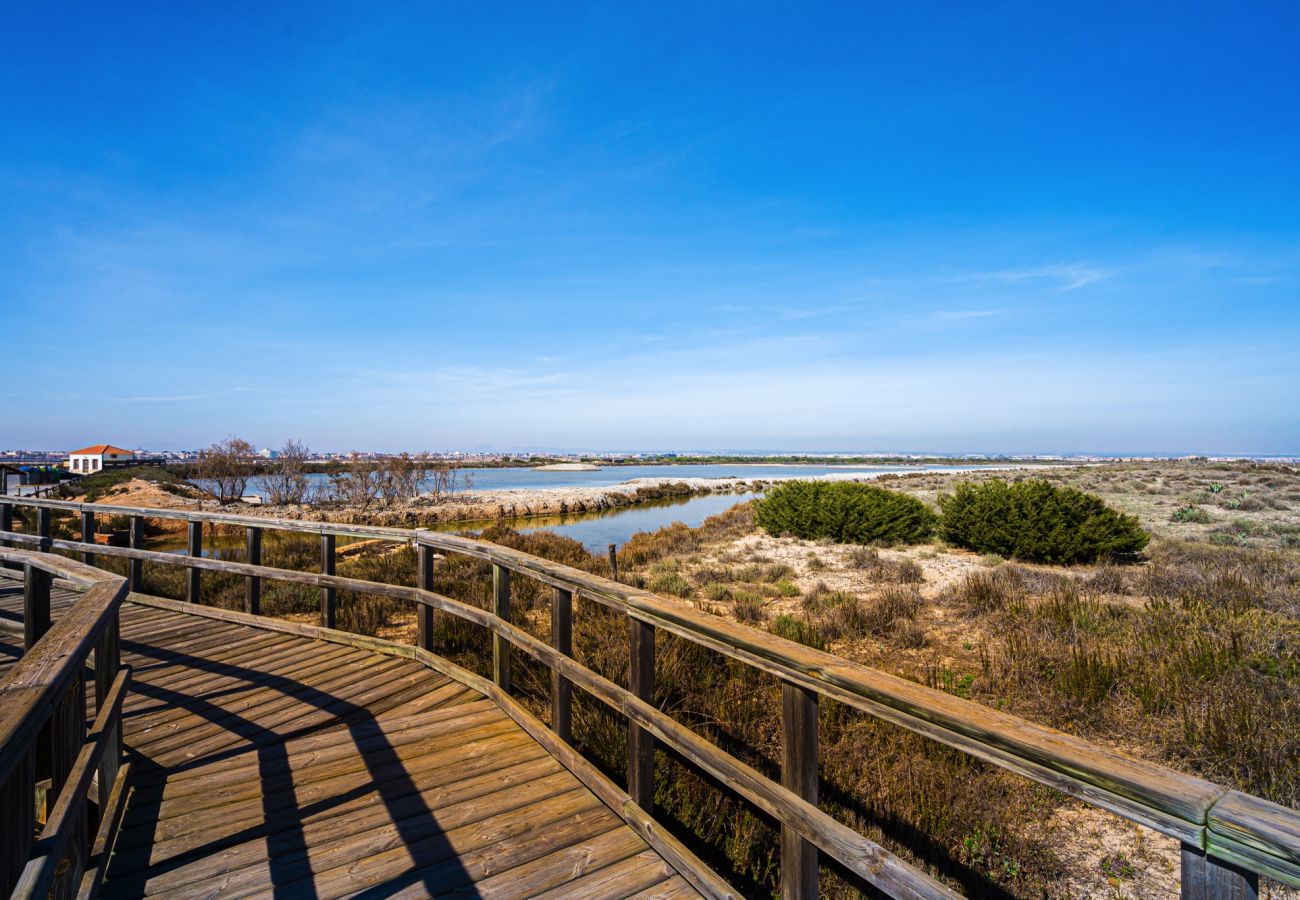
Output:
x=97 y=449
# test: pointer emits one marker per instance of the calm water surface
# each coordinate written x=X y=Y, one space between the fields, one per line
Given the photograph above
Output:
x=598 y=529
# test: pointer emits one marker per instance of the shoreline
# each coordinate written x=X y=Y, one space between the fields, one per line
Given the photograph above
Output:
x=496 y=505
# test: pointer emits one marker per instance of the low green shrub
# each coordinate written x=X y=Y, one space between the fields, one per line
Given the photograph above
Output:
x=1038 y=522
x=845 y=512
x=1190 y=514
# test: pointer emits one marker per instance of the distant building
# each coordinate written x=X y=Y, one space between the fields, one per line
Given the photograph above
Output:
x=99 y=457
x=268 y=453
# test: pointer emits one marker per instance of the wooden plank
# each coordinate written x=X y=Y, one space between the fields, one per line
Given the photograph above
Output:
x=1206 y=878
x=102 y=850
x=18 y=812
x=508 y=827
x=60 y=860
x=193 y=577
x=325 y=748
x=253 y=583
x=672 y=889
x=549 y=871
x=191 y=712
x=1258 y=835
x=799 y=776
x=700 y=876
x=135 y=568
x=88 y=535
x=36 y=604
x=283 y=723
x=640 y=744
x=328 y=595
x=225 y=690
x=501 y=609
x=621 y=879
x=240 y=833
x=425 y=623
x=264 y=708
x=562 y=641
x=353 y=851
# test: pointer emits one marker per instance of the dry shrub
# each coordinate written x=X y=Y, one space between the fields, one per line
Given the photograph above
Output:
x=748 y=607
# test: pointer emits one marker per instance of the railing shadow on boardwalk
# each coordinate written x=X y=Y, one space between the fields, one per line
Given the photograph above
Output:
x=291 y=874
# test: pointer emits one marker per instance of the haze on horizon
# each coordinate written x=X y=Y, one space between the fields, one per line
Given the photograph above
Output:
x=1028 y=228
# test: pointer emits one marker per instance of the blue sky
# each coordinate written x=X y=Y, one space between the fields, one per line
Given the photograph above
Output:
x=987 y=227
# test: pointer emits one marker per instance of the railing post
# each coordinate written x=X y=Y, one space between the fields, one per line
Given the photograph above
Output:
x=253 y=583
x=501 y=609
x=562 y=640
x=798 y=775
x=43 y=526
x=7 y=524
x=1204 y=877
x=88 y=536
x=640 y=743
x=135 y=569
x=328 y=595
x=67 y=735
x=36 y=604
x=194 y=548
x=18 y=813
x=424 y=623
x=613 y=562
x=108 y=662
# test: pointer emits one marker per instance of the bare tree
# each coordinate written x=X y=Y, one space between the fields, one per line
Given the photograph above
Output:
x=443 y=479
x=225 y=467
x=286 y=481
x=357 y=484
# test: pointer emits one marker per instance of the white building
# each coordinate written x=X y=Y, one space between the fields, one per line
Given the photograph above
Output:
x=97 y=458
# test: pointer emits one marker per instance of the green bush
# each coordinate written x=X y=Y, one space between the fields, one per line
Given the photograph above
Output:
x=845 y=512
x=1038 y=522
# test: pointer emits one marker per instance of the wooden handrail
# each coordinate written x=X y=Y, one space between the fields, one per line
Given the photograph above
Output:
x=1237 y=829
x=45 y=693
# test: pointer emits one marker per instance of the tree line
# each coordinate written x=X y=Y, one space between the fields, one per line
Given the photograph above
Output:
x=228 y=466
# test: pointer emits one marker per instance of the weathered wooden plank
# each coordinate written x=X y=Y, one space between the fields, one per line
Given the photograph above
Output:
x=799 y=776
x=36 y=604
x=501 y=760
x=227 y=692
x=501 y=609
x=509 y=828
x=425 y=626
x=1206 y=878
x=61 y=854
x=328 y=595
x=135 y=568
x=1256 y=834
x=352 y=850
x=672 y=889
x=549 y=871
x=193 y=577
x=253 y=583
x=244 y=833
x=640 y=744
x=18 y=812
x=324 y=748
x=267 y=708
x=622 y=879
x=562 y=641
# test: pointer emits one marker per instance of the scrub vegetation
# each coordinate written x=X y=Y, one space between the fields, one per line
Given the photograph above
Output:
x=1187 y=654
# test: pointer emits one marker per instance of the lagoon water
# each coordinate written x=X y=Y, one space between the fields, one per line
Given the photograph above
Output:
x=597 y=530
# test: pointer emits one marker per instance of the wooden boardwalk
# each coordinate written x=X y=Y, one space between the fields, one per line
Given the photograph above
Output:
x=265 y=763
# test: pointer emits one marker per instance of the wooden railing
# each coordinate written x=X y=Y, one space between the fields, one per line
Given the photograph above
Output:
x=47 y=758
x=1228 y=838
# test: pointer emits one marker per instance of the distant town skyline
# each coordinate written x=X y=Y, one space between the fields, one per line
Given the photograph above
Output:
x=1029 y=228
